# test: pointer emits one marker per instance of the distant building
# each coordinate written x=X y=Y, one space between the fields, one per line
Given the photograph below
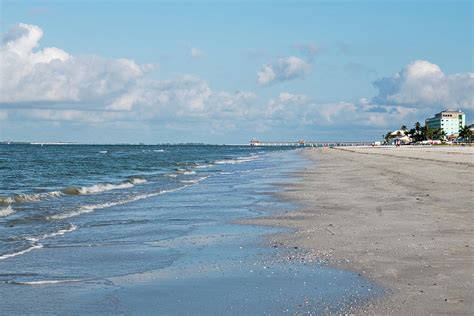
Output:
x=450 y=121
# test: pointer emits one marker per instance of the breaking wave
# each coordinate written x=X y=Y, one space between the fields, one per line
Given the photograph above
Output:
x=185 y=171
x=236 y=161
x=96 y=188
x=35 y=242
x=136 y=180
x=194 y=181
x=14 y=254
x=72 y=190
x=54 y=234
x=33 y=197
x=84 y=209
x=203 y=166
x=6 y=211
x=43 y=282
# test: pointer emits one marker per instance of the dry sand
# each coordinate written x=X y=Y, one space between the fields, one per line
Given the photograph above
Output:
x=402 y=217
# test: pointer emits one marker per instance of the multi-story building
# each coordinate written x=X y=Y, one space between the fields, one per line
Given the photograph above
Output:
x=450 y=121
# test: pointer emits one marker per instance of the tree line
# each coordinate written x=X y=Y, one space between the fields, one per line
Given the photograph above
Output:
x=420 y=133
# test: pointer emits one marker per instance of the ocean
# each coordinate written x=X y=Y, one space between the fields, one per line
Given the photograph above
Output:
x=141 y=229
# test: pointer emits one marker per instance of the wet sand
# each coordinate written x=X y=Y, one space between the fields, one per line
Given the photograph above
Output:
x=402 y=217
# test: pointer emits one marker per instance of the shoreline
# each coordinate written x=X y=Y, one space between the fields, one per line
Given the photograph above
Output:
x=400 y=217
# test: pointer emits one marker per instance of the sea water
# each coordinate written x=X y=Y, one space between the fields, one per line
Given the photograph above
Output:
x=111 y=229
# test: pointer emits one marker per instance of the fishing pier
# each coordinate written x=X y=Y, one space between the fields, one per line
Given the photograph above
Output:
x=301 y=143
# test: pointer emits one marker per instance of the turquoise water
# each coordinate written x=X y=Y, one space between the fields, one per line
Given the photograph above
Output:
x=148 y=229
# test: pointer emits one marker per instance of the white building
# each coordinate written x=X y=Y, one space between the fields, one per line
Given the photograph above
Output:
x=450 y=121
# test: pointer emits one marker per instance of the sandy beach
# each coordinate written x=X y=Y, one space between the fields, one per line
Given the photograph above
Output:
x=402 y=217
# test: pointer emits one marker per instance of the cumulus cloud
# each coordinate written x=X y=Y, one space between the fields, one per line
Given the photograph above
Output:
x=53 y=75
x=55 y=85
x=283 y=69
x=302 y=110
x=423 y=84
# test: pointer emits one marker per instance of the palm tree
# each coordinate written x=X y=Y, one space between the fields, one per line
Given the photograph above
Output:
x=439 y=134
x=442 y=134
x=427 y=133
x=417 y=132
x=417 y=127
x=465 y=133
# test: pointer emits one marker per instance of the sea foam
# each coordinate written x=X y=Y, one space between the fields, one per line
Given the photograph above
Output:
x=24 y=198
x=6 y=211
x=84 y=209
x=14 y=254
x=96 y=188
x=236 y=161
x=43 y=282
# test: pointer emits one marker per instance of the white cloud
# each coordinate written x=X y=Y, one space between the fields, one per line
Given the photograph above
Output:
x=283 y=69
x=60 y=86
x=196 y=53
x=423 y=84
x=52 y=85
x=52 y=75
x=302 y=110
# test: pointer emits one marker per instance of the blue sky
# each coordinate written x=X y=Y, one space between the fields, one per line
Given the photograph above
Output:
x=223 y=72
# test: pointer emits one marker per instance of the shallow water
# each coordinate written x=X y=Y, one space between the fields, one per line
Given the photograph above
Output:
x=147 y=229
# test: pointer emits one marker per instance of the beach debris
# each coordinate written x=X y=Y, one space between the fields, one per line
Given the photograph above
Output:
x=454 y=300
x=330 y=230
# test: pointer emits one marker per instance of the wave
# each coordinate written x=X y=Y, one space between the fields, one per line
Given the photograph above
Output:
x=33 y=197
x=103 y=151
x=236 y=161
x=35 y=242
x=159 y=150
x=173 y=190
x=84 y=209
x=14 y=254
x=194 y=181
x=6 y=211
x=185 y=171
x=136 y=180
x=189 y=181
x=96 y=188
x=43 y=282
x=60 y=232
x=203 y=166
x=72 y=190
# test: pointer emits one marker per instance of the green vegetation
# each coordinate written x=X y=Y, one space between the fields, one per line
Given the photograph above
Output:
x=418 y=133
x=465 y=133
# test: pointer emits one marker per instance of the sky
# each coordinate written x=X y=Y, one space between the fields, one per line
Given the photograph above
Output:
x=226 y=71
